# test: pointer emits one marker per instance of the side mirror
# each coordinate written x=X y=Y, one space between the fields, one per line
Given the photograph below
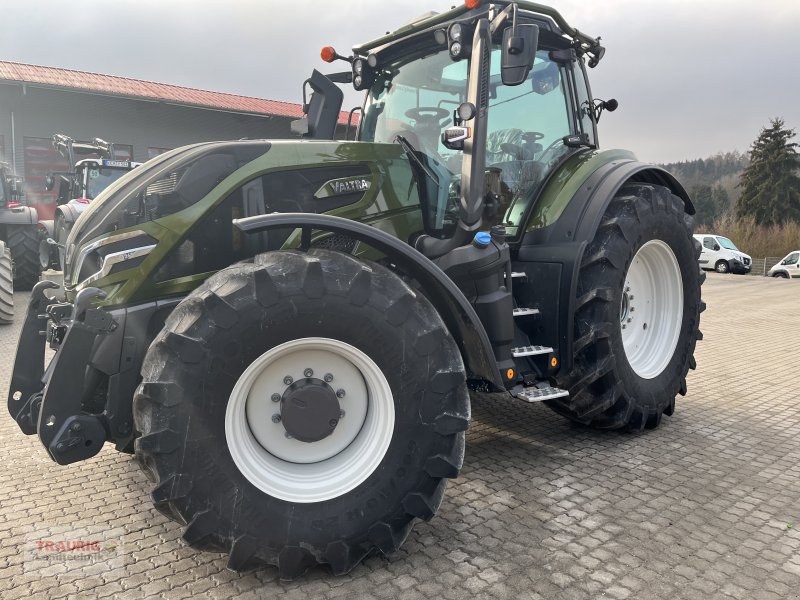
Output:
x=519 y=49
x=716 y=247
x=49 y=183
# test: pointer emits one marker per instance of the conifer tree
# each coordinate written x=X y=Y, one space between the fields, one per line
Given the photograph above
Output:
x=770 y=185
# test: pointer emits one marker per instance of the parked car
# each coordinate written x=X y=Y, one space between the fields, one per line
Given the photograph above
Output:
x=722 y=255
x=788 y=268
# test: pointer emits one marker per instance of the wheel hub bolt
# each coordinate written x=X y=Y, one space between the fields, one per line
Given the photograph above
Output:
x=328 y=378
x=288 y=380
x=629 y=319
x=308 y=372
x=341 y=414
x=632 y=309
x=276 y=397
x=340 y=393
x=333 y=422
x=276 y=418
x=288 y=435
x=630 y=297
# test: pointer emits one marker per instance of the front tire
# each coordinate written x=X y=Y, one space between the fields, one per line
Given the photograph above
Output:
x=630 y=365
x=722 y=266
x=234 y=366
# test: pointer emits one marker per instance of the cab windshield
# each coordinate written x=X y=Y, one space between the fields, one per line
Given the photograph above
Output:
x=99 y=178
x=415 y=97
x=726 y=243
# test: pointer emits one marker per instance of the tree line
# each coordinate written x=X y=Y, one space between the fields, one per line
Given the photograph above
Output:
x=755 y=194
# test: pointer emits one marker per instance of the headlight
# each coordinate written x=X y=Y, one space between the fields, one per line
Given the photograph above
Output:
x=110 y=255
x=363 y=74
x=455 y=32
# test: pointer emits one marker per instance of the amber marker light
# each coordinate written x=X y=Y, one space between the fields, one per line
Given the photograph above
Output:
x=510 y=374
x=554 y=362
x=472 y=3
x=328 y=54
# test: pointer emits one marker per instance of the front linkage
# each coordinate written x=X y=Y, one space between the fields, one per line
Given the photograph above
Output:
x=56 y=403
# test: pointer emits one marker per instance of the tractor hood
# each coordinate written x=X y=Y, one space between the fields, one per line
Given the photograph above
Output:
x=132 y=228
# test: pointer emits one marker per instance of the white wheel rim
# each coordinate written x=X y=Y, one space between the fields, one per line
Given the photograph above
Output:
x=297 y=471
x=651 y=309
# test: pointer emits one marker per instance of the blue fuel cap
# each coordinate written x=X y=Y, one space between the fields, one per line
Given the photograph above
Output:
x=482 y=239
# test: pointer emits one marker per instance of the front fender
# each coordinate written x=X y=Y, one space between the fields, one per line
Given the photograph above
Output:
x=70 y=211
x=457 y=313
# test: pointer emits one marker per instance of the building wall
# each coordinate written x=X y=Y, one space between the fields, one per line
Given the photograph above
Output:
x=41 y=112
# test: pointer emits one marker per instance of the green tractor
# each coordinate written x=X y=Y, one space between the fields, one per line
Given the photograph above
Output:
x=287 y=333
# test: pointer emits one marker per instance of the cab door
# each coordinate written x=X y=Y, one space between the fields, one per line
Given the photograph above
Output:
x=792 y=264
x=708 y=255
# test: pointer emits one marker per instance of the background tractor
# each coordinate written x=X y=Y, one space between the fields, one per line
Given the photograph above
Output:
x=287 y=333
x=19 y=264
x=76 y=188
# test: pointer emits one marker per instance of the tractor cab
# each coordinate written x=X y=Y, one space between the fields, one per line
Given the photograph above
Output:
x=10 y=187
x=75 y=189
x=92 y=176
x=87 y=176
x=485 y=135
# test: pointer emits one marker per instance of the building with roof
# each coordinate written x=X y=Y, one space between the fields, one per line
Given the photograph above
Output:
x=142 y=118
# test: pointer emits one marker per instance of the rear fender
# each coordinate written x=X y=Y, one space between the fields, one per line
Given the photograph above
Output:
x=457 y=313
x=572 y=205
x=19 y=215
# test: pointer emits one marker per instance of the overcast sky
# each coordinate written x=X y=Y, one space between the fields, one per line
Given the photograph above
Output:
x=693 y=77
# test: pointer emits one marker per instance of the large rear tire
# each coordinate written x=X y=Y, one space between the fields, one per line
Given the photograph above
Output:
x=23 y=241
x=228 y=401
x=6 y=286
x=630 y=365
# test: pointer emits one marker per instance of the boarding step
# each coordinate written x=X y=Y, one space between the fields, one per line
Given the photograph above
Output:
x=519 y=275
x=530 y=351
x=535 y=394
x=525 y=312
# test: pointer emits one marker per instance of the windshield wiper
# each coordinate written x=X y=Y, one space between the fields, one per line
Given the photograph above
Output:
x=411 y=152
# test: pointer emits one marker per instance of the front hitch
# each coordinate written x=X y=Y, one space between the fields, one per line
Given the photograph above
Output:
x=50 y=403
x=26 y=378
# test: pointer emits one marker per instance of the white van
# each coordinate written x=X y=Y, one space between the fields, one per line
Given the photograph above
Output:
x=788 y=268
x=722 y=255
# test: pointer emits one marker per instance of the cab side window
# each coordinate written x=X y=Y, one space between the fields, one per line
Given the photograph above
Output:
x=709 y=243
x=792 y=258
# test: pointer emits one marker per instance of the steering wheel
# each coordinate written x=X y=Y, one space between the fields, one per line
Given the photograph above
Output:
x=427 y=113
x=532 y=136
x=526 y=150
